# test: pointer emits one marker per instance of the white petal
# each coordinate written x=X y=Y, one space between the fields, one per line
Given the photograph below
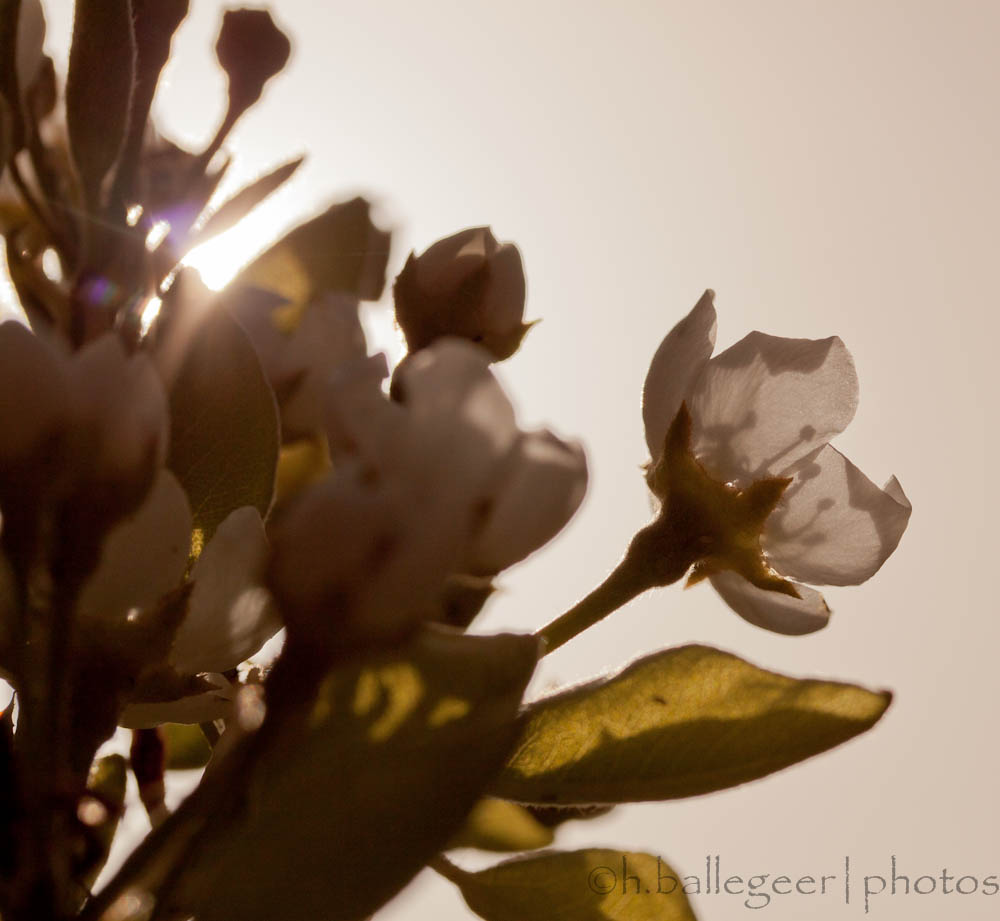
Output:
x=544 y=486
x=322 y=543
x=451 y=379
x=834 y=526
x=359 y=420
x=199 y=708
x=119 y=404
x=678 y=361
x=143 y=557
x=765 y=402
x=894 y=489
x=33 y=392
x=328 y=335
x=229 y=616
x=773 y=610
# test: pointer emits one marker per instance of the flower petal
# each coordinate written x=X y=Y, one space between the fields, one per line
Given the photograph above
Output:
x=33 y=392
x=328 y=336
x=230 y=616
x=119 y=408
x=545 y=485
x=773 y=611
x=358 y=419
x=448 y=262
x=676 y=365
x=834 y=526
x=451 y=380
x=894 y=489
x=766 y=402
x=503 y=306
x=323 y=541
x=143 y=557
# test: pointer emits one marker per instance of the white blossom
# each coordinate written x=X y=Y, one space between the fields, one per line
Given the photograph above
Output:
x=299 y=346
x=441 y=480
x=767 y=408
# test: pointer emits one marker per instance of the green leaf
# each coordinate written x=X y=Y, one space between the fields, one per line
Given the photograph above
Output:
x=588 y=885
x=99 y=88
x=22 y=34
x=9 y=91
x=186 y=746
x=679 y=723
x=224 y=426
x=155 y=22
x=497 y=825
x=344 y=811
x=232 y=211
x=339 y=251
x=107 y=784
x=555 y=816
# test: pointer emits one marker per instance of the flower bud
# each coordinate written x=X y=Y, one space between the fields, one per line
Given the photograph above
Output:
x=251 y=50
x=465 y=285
x=34 y=401
x=120 y=424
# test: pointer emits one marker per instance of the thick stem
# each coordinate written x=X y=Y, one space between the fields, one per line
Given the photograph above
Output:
x=447 y=869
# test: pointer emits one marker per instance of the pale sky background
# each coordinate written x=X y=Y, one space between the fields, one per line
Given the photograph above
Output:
x=828 y=168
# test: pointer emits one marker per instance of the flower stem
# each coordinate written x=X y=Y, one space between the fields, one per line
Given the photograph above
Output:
x=624 y=584
x=447 y=869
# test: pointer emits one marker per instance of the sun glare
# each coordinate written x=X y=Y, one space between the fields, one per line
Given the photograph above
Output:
x=219 y=259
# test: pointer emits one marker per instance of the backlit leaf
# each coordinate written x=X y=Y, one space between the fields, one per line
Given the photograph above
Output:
x=186 y=747
x=107 y=783
x=344 y=811
x=232 y=211
x=499 y=825
x=587 y=885
x=223 y=425
x=340 y=251
x=99 y=88
x=678 y=723
x=22 y=34
x=155 y=22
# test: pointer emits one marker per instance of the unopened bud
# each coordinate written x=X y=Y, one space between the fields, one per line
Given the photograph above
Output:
x=466 y=285
x=251 y=50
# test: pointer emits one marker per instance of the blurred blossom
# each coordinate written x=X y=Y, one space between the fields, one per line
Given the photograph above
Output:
x=739 y=447
x=438 y=482
x=84 y=440
x=465 y=285
x=230 y=615
x=299 y=346
x=95 y=422
x=142 y=559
